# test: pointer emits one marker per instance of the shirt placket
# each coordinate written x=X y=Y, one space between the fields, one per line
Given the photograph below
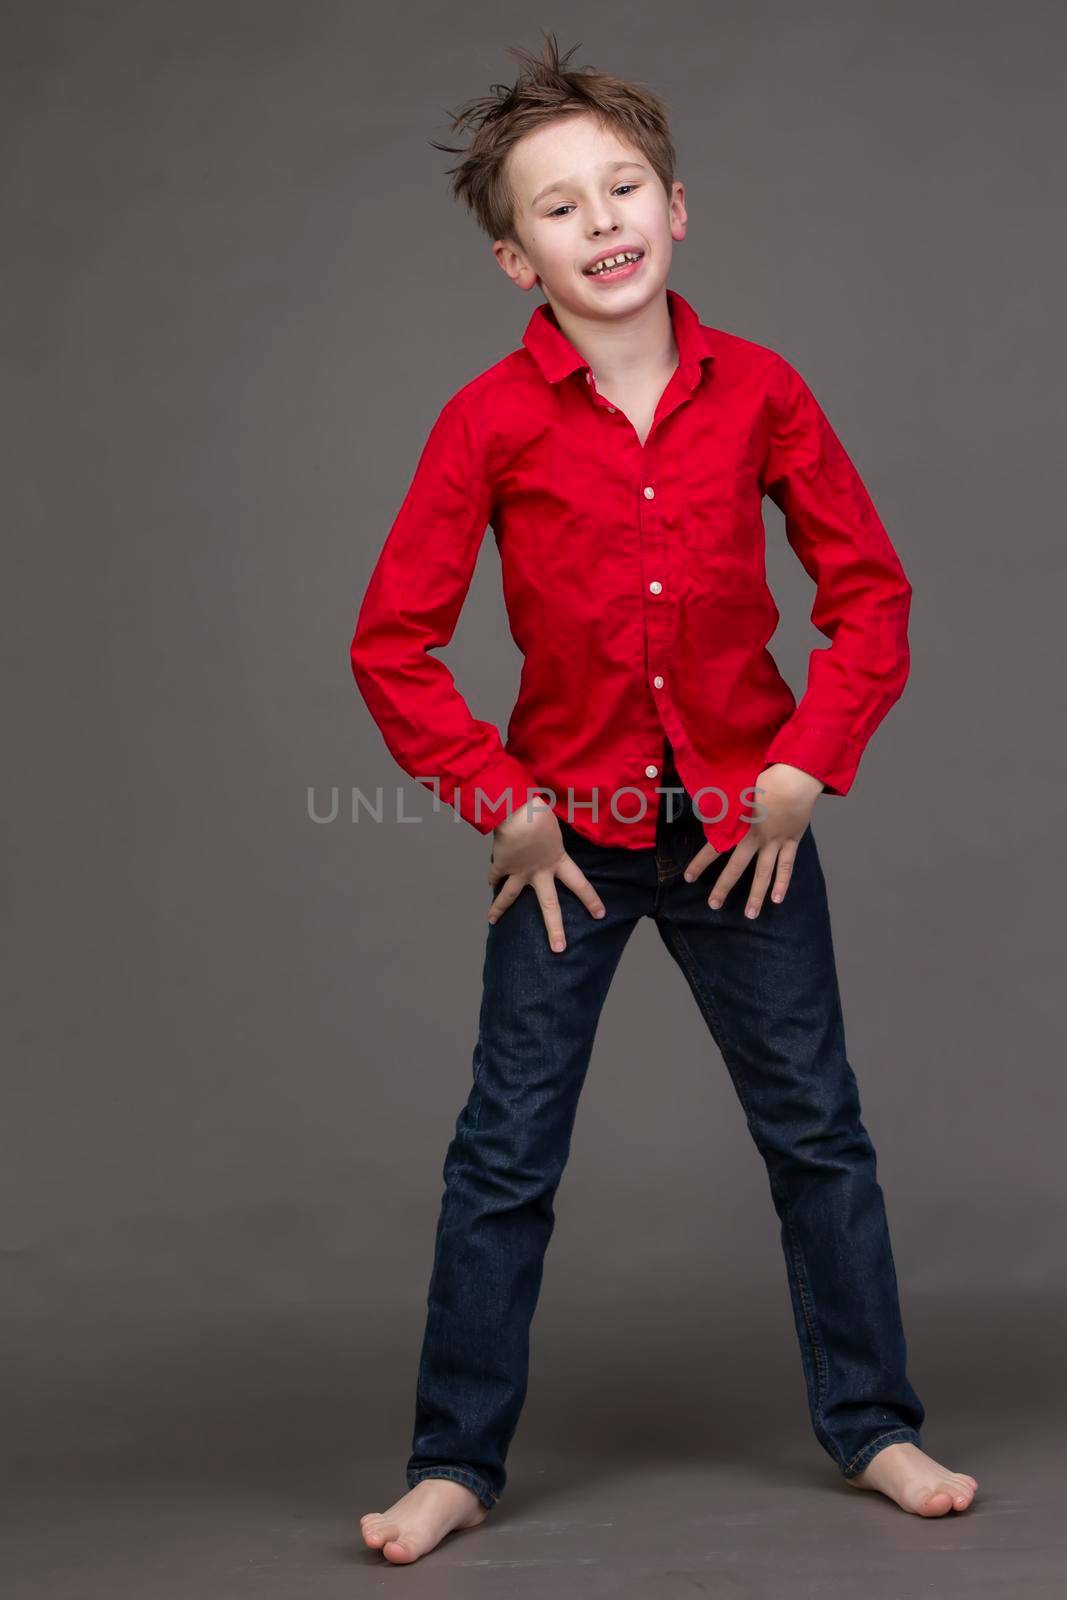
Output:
x=659 y=600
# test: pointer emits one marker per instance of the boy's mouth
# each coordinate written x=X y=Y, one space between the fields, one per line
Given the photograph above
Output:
x=623 y=265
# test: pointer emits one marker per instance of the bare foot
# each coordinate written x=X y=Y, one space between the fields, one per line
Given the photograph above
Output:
x=420 y=1519
x=916 y=1481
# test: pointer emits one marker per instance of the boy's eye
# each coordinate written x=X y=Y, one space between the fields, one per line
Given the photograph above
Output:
x=560 y=209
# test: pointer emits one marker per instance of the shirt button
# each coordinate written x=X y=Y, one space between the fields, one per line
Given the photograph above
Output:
x=589 y=377
x=655 y=586
x=650 y=494
x=611 y=408
x=658 y=681
x=650 y=771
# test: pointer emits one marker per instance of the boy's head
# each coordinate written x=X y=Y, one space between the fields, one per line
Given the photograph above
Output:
x=566 y=167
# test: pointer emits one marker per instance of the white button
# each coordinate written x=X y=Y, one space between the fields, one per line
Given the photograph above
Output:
x=655 y=586
x=650 y=772
x=589 y=377
x=611 y=408
x=650 y=494
x=658 y=681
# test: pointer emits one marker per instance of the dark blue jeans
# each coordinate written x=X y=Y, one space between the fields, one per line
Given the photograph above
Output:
x=767 y=989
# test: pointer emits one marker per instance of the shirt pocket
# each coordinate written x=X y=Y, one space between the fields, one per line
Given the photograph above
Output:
x=723 y=547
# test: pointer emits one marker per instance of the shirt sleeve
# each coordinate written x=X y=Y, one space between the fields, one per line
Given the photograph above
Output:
x=411 y=606
x=862 y=596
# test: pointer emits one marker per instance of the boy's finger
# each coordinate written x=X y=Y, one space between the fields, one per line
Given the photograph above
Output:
x=507 y=896
x=739 y=860
x=570 y=873
x=786 y=857
x=761 y=879
x=703 y=858
x=544 y=884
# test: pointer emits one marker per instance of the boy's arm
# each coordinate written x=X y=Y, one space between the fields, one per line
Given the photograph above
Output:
x=411 y=606
x=862 y=595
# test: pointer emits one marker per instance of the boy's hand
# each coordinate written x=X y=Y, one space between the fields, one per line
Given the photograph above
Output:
x=528 y=849
x=788 y=796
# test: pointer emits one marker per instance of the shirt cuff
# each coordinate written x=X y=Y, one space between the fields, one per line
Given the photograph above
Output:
x=824 y=752
x=486 y=800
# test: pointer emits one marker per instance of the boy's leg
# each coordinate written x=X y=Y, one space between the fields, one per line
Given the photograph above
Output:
x=539 y=1014
x=767 y=987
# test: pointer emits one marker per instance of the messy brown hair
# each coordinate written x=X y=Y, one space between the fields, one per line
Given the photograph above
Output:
x=546 y=89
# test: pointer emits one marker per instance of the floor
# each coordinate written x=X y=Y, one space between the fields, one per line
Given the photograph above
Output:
x=233 y=1458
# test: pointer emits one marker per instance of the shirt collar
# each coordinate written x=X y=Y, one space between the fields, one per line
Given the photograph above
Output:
x=557 y=357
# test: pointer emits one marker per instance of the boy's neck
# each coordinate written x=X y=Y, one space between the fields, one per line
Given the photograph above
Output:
x=625 y=350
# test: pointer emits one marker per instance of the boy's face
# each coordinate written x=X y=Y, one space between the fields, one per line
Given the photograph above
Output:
x=582 y=192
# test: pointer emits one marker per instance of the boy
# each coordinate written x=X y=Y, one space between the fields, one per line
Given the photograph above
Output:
x=622 y=455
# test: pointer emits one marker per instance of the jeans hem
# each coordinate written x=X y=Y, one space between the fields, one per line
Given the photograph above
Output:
x=463 y=1475
x=869 y=1451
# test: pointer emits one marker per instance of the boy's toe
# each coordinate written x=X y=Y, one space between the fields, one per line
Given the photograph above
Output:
x=399 y=1551
x=937 y=1503
x=376 y=1530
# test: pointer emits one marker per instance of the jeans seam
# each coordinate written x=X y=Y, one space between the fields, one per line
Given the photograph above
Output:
x=807 y=1301
x=707 y=1004
x=463 y=1475
x=871 y=1449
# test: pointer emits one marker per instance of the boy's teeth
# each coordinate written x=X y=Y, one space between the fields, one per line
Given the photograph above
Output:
x=612 y=261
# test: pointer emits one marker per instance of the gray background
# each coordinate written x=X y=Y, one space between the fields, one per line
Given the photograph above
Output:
x=236 y=294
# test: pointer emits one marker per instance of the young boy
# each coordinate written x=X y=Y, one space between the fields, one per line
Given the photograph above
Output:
x=622 y=456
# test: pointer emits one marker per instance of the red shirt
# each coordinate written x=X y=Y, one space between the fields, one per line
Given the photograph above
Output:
x=635 y=586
